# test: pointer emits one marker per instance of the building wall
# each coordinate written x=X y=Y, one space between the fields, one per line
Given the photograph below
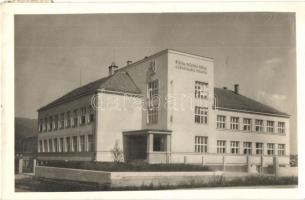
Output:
x=141 y=74
x=86 y=129
x=253 y=136
x=116 y=113
x=181 y=86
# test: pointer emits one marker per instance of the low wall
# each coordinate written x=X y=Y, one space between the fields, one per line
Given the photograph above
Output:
x=140 y=179
x=287 y=171
x=99 y=177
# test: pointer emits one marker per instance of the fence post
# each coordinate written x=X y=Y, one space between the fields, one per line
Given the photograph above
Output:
x=20 y=166
x=275 y=165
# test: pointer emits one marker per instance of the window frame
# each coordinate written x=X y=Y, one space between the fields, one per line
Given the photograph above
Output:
x=234 y=125
x=247 y=124
x=270 y=149
x=281 y=149
x=270 y=126
x=221 y=146
x=259 y=125
x=201 y=144
x=247 y=149
x=234 y=147
x=201 y=115
x=221 y=122
x=259 y=147
x=281 y=128
x=201 y=90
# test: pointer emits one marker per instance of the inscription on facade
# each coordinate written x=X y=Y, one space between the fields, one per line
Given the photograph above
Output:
x=191 y=67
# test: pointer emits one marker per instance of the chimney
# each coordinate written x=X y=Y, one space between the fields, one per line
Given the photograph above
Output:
x=236 y=88
x=129 y=62
x=112 y=68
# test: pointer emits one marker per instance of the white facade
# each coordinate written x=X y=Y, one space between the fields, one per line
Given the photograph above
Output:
x=179 y=125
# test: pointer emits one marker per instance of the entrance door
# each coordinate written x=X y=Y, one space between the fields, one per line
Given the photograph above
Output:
x=136 y=147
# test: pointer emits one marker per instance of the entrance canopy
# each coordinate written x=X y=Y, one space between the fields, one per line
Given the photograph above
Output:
x=150 y=145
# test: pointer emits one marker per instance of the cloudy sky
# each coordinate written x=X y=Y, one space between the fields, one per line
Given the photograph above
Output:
x=256 y=50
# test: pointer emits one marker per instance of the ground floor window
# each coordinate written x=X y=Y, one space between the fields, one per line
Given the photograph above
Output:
x=45 y=145
x=159 y=143
x=221 y=146
x=68 y=144
x=90 y=143
x=281 y=149
x=82 y=143
x=55 y=145
x=259 y=148
x=74 y=143
x=50 y=145
x=201 y=144
x=248 y=148
x=61 y=146
x=234 y=147
x=40 y=146
x=270 y=149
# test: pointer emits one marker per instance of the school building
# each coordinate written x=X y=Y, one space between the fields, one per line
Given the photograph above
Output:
x=163 y=109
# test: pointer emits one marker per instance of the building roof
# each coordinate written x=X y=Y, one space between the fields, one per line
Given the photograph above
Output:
x=119 y=82
x=228 y=99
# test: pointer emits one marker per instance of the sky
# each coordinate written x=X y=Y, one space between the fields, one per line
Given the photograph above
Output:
x=255 y=50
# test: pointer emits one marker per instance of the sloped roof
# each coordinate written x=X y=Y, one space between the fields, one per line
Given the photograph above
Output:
x=228 y=99
x=120 y=82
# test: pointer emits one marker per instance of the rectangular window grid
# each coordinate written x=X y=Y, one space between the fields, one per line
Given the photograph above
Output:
x=259 y=125
x=270 y=126
x=201 y=144
x=281 y=127
x=234 y=147
x=247 y=148
x=281 y=149
x=221 y=146
x=270 y=149
x=201 y=115
x=221 y=121
x=247 y=124
x=201 y=90
x=234 y=123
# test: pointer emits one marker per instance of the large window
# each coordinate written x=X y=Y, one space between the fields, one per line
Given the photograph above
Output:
x=152 y=89
x=270 y=149
x=201 y=144
x=159 y=142
x=221 y=146
x=248 y=148
x=201 y=115
x=259 y=148
x=201 y=90
x=234 y=123
x=247 y=124
x=152 y=115
x=259 y=125
x=281 y=127
x=270 y=126
x=221 y=121
x=234 y=147
x=68 y=119
x=281 y=149
x=152 y=107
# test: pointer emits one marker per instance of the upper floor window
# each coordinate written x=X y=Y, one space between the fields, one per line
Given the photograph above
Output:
x=201 y=90
x=259 y=148
x=50 y=123
x=221 y=146
x=201 y=144
x=75 y=118
x=221 y=121
x=281 y=127
x=247 y=124
x=281 y=149
x=68 y=125
x=62 y=120
x=83 y=115
x=152 y=115
x=234 y=147
x=40 y=125
x=270 y=126
x=152 y=89
x=234 y=123
x=270 y=149
x=248 y=148
x=201 y=115
x=259 y=125
x=56 y=122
